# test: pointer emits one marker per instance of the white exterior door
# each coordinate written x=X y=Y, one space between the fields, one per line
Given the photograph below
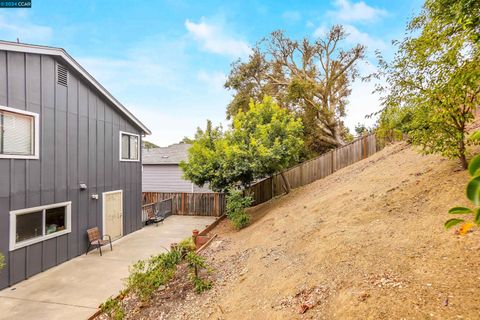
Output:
x=113 y=214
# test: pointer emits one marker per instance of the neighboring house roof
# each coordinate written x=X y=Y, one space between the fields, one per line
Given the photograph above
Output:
x=173 y=154
x=61 y=53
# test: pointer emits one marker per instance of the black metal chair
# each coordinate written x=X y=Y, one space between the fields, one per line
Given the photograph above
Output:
x=154 y=215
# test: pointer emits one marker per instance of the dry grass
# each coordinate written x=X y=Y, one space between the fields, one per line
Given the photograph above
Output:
x=364 y=243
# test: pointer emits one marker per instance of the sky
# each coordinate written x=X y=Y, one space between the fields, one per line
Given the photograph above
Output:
x=167 y=61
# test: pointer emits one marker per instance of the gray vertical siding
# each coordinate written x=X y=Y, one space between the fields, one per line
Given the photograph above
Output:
x=167 y=178
x=79 y=143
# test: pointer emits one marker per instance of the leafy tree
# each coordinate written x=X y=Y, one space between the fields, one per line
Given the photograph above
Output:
x=361 y=129
x=205 y=164
x=309 y=78
x=2 y=261
x=263 y=140
x=433 y=82
x=187 y=140
x=269 y=136
x=149 y=145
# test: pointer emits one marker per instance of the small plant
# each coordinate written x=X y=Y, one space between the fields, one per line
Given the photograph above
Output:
x=236 y=204
x=2 y=261
x=186 y=245
x=201 y=285
x=113 y=308
x=473 y=194
x=196 y=262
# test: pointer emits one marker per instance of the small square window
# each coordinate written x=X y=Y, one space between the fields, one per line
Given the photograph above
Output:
x=129 y=146
x=18 y=134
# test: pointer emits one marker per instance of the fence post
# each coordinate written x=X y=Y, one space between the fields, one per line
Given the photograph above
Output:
x=365 y=144
x=273 y=187
x=183 y=203
x=215 y=204
x=333 y=162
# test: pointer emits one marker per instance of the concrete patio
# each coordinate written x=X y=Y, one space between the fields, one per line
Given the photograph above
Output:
x=75 y=289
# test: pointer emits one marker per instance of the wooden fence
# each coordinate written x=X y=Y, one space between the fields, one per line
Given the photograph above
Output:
x=194 y=204
x=313 y=169
x=213 y=204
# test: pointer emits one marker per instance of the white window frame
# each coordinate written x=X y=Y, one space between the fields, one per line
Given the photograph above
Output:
x=138 y=147
x=35 y=135
x=13 y=224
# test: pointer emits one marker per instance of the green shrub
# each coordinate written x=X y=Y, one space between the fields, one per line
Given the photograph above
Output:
x=241 y=220
x=236 y=204
x=146 y=276
x=113 y=308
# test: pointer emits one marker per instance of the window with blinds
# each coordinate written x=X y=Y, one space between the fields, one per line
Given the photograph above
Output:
x=17 y=133
x=129 y=146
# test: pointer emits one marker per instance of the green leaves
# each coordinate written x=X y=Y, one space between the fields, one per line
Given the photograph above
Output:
x=475 y=136
x=452 y=222
x=459 y=210
x=474 y=166
x=477 y=217
x=236 y=204
x=473 y=191
x=473 y=194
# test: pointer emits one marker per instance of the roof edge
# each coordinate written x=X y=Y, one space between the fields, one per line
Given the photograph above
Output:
x=30 y=48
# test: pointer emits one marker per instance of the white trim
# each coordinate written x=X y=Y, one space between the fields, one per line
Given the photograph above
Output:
x=103 y=210
x=28 y=48
x=138 y=146
x=13 y=224
x=35 y=136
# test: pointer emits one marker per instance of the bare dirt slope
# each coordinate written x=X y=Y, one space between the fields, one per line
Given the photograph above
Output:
x=364 y=243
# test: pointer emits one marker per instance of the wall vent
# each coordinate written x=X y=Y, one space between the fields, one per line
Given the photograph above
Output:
x=62 y=75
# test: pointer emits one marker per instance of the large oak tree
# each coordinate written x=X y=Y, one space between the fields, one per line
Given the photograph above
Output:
x=310 y=78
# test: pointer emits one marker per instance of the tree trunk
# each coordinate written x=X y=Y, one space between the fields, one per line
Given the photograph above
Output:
x=462 y=157
x=331 y=132
x=463 y=161
x=286 y=184
x=337 y=135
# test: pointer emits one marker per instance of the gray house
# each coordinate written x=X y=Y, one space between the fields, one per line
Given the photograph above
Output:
x=161 y=171
x=70 y=159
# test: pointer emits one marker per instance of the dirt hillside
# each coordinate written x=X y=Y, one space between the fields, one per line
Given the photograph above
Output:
x=364 y=243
